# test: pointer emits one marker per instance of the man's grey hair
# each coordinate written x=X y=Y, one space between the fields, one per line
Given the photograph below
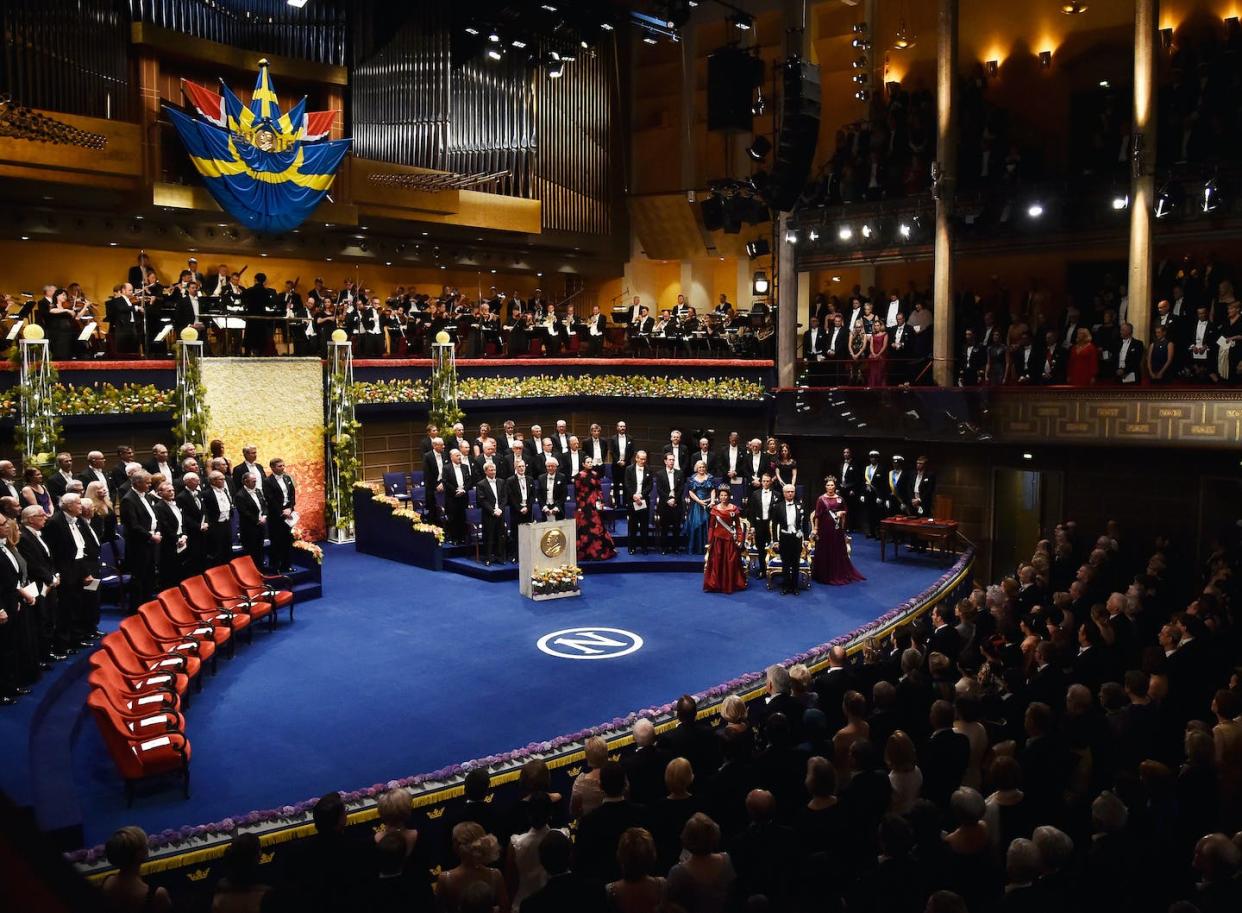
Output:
x=778 y=678
x=69 y=498
x=1109 y=814
x=644 y=732
x=1023 y=863
x=190 y=475
x=1055 y=846
x=28 y=512
x=437 y=440
x=550 y=461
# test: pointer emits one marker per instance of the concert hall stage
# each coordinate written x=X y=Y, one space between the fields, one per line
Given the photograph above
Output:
x=400 y=671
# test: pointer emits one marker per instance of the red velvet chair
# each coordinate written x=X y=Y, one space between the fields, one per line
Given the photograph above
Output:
x=139 y=719
x=170 y=636
x=106 y=676
x=187 y=617
x=224 y=586
x=137 y=755
x=153 y=653
x=205 y=604
x=141 y=673
x=257 y=585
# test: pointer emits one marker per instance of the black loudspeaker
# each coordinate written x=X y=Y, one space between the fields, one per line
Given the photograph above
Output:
x=713 y=213
x=732 y=75
x=795 y=145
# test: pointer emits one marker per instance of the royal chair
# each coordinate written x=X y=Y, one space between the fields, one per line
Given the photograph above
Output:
x=397 y=484
x=223 y=625
x=157 y=656
x=143 y=675
x=169 y=636
x=140 y=756
x=257 y=585
x=776 y=568
x=206 y=605
x=224 y=586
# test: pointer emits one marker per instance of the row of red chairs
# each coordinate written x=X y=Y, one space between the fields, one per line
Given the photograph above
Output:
x=141 y=673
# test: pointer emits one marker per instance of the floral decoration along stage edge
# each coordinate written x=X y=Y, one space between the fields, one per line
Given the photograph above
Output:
x=543 y=385
x=196 y=836
x=400 y=510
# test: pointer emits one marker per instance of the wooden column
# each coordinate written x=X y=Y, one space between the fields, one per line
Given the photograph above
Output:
x=946 y=160
x=1142 y=182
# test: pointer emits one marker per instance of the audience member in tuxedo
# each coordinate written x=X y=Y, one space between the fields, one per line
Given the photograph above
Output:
x=253 y=518
x=1052 y=360
x=248 y=466
x=874 y=493
x=280 y=492
x=943 y=757
x=754 y=464
x=532 y=444
x=693 y=740
x=53 y=640
x=644 y=767
x=679 y=451
x=596 y=446
x=521 y=497
x=638 y=491
x=669 y=485
x=173 y=542
x=457 y=481
x=849 y=486
x=194 y=522
x=944 y=636
x=487 y=495
x=545 y=455
x=831 y=686
x=595 y=851
x=789 y=532
x=728 y=464
x=433 y=479
x=565 y=890
x=9 y=486
x=1025 y=360
x=67 y=542
x=218 y=506
x=56 y=482
x=759 y=508
x=571 y=460
x=765 y=854
x=622 y=449
x=777 y=700
x=160 y=463
x=329 y=871
x=550 y=491
x=142 y=537
x=972 y=360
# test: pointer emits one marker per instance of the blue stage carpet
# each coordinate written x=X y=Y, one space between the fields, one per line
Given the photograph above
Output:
x=400 y=671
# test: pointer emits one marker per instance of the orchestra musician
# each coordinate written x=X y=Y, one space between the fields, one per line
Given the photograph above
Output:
x=123 y=314
x=596 y=325
x=189 y=311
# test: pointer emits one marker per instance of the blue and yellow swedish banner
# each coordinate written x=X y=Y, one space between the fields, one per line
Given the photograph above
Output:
x=258 y=163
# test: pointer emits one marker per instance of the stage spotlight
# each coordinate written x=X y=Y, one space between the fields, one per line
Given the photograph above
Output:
x=549 y=7
x=1035 y=210
x=861 y=43
x=759 y=284
x=471 y=30
x=744 y=22
x=866 y=231
x=903 y=229
x=1211 y=195
x=845 y=233
x=1073 y=7
x=860 y=78
x=814 y=235
x=758 y=248
x=791 y=236
x=862 y=94
x=517 y=43
x=759 y=148
x=859 y=63
x=556 y=66
x=858 y=28
x=494 y=38
x=647 y=39
x=494 y=53
x=1121 y=202
x=606 y=26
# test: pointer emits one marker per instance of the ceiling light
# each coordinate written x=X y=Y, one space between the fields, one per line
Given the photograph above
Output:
x=1211 y=195
x=471 y=30
x=1035 y=210
x=904 y=38
x=791 y=236
x=549 y=7
x=493 y=54
x=647 y=39
x=758 y=248
x=858 y=28
x=296 y=4
x=1073 y=7
x=866 y=231
x=904 y=230
x=494 y=38
x=759 y=284
x=743 y=22
x=606 y=26
x=1121 y=202
x=861 y=43
x=759 y=148
x=518 y=43
x=1105 y=84
x=814 y=235
x=25 y=237
x=845 y=233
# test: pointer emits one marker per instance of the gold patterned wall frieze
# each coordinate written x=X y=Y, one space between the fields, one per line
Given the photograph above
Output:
x=1144 y=416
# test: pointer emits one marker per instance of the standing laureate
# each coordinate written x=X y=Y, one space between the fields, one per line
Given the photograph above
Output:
x=594 y=541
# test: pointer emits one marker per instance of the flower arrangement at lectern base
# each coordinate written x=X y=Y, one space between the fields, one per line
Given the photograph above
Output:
x=556 y=582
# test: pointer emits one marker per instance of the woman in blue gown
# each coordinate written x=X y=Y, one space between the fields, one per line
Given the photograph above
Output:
x=701 y=492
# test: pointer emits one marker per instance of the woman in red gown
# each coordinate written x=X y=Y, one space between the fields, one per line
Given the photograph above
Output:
x=1084 y=361
x=831 y=563
x=723 y=571
x=594 y=540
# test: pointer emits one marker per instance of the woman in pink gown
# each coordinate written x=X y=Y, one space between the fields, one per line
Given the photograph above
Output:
x=877 y=370
x=831 y=563
x=723 y=571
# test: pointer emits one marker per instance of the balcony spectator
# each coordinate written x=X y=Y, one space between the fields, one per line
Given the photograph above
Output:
x=1084 y=360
